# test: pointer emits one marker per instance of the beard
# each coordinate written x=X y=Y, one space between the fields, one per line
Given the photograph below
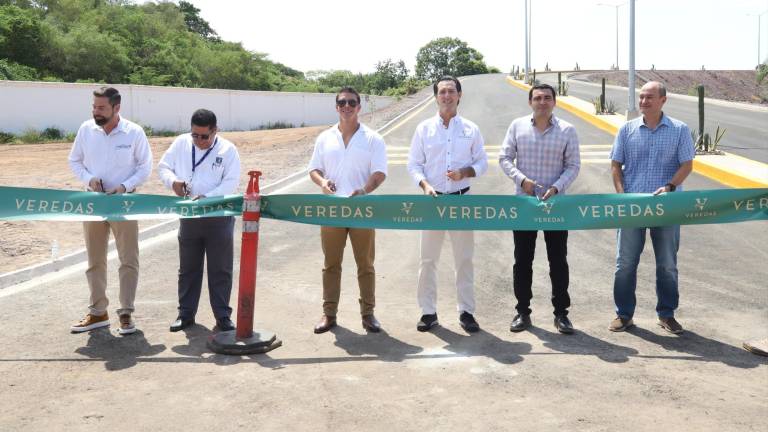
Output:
x=101 y=121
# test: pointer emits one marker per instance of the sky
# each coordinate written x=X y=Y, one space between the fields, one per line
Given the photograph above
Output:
x=354 y=35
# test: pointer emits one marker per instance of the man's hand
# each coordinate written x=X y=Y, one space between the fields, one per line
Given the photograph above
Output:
x=552 y=191
x=454 y=175
x=428 y=189
x=95 y=185
x=529 y=187
x=359 y=192
x=661 y=190
x=120 y=189
x=328 y=187
x=197 y=197
x=180 y=188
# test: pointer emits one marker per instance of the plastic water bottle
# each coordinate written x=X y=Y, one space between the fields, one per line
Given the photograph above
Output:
x=55 y=250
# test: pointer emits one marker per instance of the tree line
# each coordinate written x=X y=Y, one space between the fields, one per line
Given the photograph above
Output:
x=170 y=44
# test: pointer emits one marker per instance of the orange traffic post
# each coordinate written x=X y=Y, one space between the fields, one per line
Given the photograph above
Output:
x=244 y=340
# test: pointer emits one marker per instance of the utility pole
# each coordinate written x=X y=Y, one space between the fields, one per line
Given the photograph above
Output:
x=631 y=106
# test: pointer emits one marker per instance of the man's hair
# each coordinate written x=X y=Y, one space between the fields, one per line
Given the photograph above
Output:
x=662 y=88
x=446 y=78
x=349 y=89
x=542 y=87
x=110 y=93
x=204 y=117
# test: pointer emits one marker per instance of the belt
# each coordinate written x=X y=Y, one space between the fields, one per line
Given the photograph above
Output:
x=458 y=192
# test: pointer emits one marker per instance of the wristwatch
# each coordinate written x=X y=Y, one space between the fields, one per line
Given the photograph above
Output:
x=671 y=187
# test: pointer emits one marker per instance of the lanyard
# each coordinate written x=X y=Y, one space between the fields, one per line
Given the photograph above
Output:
x=195 y=164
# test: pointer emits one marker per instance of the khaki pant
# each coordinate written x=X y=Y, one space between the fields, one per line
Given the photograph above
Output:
x=363 y=241
x=127 y=243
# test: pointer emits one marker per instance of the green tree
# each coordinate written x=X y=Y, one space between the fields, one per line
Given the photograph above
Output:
x=22 y=36
x=388 y=75
x=195 y=23
x=448 y=56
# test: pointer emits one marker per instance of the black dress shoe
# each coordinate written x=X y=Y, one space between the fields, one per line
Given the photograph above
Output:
x=371 y=324
x=326 y=323
x=427 y=322
x=224 y=324
x=563 y=324
x=181 y=323
x=520 y=322
x=468 y=323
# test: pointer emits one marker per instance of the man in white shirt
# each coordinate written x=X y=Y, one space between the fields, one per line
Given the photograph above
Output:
x=197 y=165
x=446 y=151
x=110 y=155
x=349 y=160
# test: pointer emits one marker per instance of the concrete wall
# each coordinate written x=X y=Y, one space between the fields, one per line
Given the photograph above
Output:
x=38 y=105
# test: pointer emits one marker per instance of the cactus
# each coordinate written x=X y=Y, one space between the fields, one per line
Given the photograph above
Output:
x=559 y=83
x=701 y=110
x=602 y=95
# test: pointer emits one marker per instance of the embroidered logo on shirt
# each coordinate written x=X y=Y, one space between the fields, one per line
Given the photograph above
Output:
x=218 y=161
x=123 y=146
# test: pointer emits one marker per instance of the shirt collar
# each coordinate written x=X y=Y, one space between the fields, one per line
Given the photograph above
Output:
x=664 y=120
x=121 y=126
x=455 y=120
x=552 y=120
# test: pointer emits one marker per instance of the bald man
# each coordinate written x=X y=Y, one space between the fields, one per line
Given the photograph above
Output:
x=651 y=154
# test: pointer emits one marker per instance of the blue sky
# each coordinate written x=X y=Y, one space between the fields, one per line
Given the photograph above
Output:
x=323 y=34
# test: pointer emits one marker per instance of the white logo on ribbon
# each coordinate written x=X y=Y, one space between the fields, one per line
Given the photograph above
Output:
x=546 y=207
x=700 y=203
x=127 y=205
x=407 y=206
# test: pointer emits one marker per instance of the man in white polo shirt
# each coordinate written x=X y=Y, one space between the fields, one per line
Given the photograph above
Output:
x=349 y=160
x=446 y=151
x=110 y=155
x=202 y=164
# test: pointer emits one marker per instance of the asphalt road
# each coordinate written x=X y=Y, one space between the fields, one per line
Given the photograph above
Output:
x=401 y=379
x=747 y=129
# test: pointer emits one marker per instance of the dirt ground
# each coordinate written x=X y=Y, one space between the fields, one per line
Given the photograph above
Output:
x=276 y=153
x=735 y=86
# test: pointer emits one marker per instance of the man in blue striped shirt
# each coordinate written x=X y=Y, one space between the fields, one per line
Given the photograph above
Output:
x=652 y=154
x=540 y=153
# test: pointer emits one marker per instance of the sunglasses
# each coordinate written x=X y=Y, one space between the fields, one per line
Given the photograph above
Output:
x=344 y=102
x=201 y=136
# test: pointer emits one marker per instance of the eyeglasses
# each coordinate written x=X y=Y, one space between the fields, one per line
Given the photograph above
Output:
x=344 y=102
x=201 y=136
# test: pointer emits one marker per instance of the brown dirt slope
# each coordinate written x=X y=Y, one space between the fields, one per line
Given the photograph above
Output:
x=735 y=86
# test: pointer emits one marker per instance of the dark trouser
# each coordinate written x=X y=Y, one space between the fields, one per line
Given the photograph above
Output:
x=522 y=272
x=209 y=238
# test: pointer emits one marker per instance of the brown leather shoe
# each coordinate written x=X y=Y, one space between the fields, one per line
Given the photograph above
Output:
x=326 y=323
x=371 y=324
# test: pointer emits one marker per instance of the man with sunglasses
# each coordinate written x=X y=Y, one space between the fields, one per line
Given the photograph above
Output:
x=446 y=151
x=540 y=153
x=110 y=155
x=349 y=160
x=197 y=165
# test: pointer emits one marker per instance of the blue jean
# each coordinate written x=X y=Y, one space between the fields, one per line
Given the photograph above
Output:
x=630 y=243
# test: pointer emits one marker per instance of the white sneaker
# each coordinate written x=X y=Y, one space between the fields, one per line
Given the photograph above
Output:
x=126 y=325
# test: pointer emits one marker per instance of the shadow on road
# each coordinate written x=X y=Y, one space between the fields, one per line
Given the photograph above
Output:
x=118 y=352
x=482 y=344
x=700 y=348
x=581 y=343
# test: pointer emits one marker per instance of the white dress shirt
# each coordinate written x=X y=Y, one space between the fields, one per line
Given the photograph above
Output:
x=122 y=157
x=216 y=172
x=436 y=149
x=349 y=167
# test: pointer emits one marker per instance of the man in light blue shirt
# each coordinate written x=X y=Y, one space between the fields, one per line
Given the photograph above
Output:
x=652 y=154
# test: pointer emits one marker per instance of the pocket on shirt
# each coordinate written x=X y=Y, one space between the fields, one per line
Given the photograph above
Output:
x=124 y=156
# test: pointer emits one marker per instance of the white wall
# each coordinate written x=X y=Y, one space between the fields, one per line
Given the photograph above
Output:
x=38 y=105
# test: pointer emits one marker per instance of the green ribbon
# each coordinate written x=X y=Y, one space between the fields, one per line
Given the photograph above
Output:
x=419 y=212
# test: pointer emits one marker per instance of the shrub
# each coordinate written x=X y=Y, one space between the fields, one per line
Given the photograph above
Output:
x=51 y=134
x=6 y=137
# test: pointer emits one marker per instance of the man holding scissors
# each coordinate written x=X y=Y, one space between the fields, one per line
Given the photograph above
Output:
x=540 y=153
x=197 y=165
